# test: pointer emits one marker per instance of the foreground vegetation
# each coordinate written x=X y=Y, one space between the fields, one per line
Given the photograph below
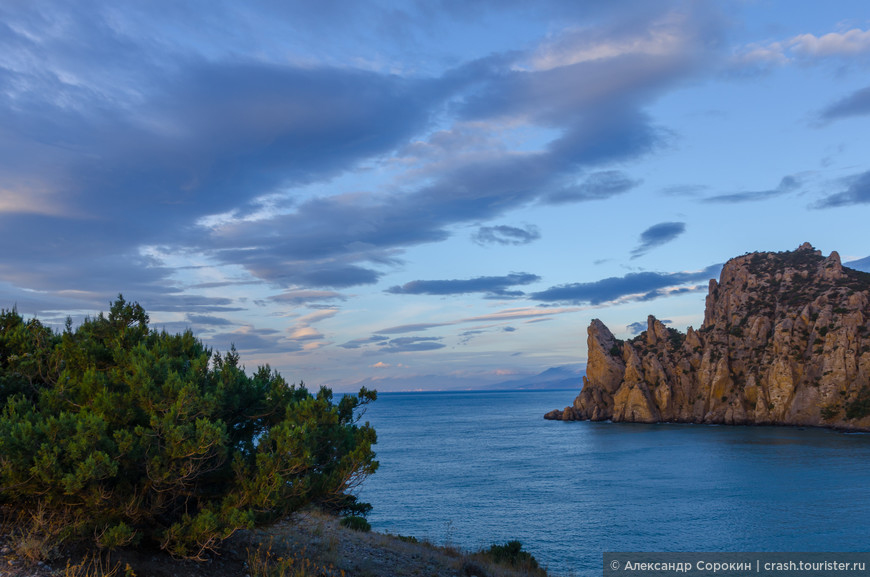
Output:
x=307 y=544
x=115 y=435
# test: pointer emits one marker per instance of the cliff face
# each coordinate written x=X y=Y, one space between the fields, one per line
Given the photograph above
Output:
x=785 y=340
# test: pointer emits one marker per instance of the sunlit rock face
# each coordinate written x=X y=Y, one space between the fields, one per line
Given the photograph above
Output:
x=785 y=341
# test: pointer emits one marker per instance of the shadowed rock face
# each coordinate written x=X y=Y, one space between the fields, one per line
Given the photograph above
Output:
x=785 y=341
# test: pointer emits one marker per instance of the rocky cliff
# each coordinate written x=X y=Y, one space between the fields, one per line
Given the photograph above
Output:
x=785 y=341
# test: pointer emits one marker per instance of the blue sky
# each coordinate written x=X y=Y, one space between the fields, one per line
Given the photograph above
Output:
x=420 y=194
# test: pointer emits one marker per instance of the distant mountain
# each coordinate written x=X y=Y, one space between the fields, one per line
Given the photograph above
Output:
x=564 y=377
x=862 y=264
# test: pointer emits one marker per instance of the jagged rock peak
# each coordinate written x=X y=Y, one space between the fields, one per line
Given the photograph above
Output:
x=785 y=340
x=809 y=247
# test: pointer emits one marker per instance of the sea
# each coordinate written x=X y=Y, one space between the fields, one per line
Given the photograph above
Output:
x=472 y=469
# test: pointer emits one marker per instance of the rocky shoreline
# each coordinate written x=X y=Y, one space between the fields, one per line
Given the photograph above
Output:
x=785 y=341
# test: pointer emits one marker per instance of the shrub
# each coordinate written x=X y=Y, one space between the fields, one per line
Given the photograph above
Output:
x=511 y=554
x=859 y=407
x=828 y=412
x=356 y=523
x=119 y=434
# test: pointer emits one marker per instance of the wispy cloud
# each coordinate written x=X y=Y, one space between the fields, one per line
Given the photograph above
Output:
x=509 y=314
x=856 y=104
x=491 y=285
x=632 y=286
x=597 y=186
x=248 y=339
x=804 y=48
x=411 y=344
x=857 y=192
x=208 y=320
x=506 y=235
x=657 y=235
x=788 y=184
x=359 y=343
x=303 y=297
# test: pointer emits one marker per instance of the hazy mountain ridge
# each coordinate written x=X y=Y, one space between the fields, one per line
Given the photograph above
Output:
x=785 y=340
x=562 y=377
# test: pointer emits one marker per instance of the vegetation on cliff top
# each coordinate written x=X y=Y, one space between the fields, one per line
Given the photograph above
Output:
x=117 y=434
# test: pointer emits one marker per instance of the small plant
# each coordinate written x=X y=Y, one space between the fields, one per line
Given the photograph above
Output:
x=828 y=412
x=859 y=407
x=511 y=554
x=96 y=566
x=356 y=523
x=263 y=562
x=407 y=539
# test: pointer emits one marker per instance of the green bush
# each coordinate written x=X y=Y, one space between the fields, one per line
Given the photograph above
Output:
x=356 y=523
x=118 y=434
x=859 y=407
x=511 y=554
x=828 y=412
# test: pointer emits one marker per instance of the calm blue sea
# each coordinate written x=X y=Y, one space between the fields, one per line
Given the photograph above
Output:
x=476 y=468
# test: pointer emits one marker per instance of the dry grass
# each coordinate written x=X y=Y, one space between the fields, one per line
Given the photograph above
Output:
x=97 y=566
x=264 y=561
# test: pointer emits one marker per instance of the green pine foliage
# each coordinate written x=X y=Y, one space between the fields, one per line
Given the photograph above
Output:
x=120 y=434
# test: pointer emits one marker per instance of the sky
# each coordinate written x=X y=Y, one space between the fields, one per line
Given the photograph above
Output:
x=420 y=194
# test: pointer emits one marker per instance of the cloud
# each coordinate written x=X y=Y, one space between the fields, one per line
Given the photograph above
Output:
x=594 y=108
x=684 y=190
x=506 y=235
x=857 y=192
x=208 y=320
x=509 y=314
x=491 y=285
x=597 y=186
x=137 y=131
x=411 y=328
x=466 y=336
x=249 y=338
x=304 y=297
x=632 y=286
x=412 y=344
x=657 y=235
x=302 y=329
x=856 y=104
x=120 y=134
x=788 y=184
x=849 y=43
x=359 y=343
x=803 y=48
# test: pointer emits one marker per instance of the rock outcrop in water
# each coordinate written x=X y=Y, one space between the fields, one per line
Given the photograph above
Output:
x=785 y=341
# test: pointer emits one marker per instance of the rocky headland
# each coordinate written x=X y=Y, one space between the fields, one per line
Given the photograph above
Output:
x=785 y=341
